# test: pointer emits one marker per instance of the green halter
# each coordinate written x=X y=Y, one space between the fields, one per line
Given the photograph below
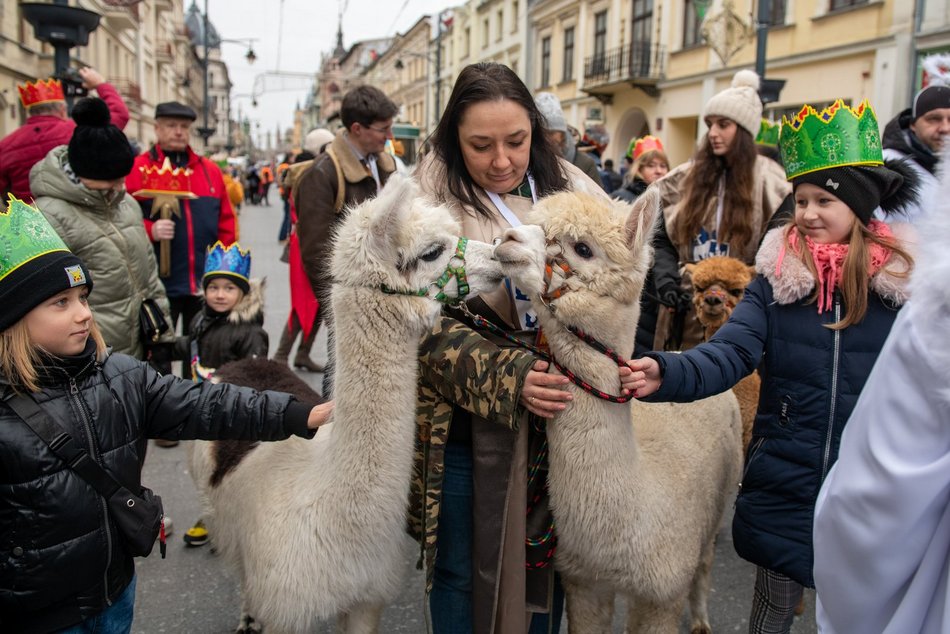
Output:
x=458 y=272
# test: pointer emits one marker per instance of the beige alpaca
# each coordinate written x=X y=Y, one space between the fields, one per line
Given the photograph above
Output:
x=718 y=286
x=316 y=528
x=638 y=491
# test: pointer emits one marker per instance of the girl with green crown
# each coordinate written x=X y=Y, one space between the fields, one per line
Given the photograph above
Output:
x=829 y=287
x=72 y=414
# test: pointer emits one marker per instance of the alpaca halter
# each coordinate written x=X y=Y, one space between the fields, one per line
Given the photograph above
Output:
x=555 y=260
x=481 y=322
x=457 y=271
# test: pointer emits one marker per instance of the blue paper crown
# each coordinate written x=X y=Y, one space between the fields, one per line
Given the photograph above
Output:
x=231 y=261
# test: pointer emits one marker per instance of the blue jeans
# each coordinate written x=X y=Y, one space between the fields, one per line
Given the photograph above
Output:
x=450 y=602
x=115 y=619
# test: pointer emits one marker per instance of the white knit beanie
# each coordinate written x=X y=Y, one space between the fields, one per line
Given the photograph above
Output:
x=740 y=103
x=316 y=139
x=550 y=107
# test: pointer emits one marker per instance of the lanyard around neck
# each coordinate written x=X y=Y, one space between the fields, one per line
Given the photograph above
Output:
x=504 y=210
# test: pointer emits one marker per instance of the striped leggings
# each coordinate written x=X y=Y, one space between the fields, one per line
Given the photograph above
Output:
x=773 y=602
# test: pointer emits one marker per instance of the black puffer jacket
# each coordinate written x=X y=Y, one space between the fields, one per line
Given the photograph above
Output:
x=61 y=557
x=238 y=334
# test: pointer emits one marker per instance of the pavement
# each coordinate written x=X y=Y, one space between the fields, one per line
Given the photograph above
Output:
x=193 y=591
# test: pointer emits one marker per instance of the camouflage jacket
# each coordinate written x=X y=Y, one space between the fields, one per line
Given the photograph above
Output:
x=457 y=365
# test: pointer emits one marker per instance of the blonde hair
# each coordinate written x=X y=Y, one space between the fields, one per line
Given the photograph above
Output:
x=19 y=356
x=645 y=159
x=855 y=276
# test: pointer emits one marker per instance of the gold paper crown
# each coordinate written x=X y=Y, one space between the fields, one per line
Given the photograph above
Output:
x=43 y=91
x=164 y=180
x=837 y=136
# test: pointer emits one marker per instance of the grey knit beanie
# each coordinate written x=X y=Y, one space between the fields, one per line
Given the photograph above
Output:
x=550 y=107
x=740 y=102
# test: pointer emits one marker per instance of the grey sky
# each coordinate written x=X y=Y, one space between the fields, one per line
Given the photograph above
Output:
x=309 y=30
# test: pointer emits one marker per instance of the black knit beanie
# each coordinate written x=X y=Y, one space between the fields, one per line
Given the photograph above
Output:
x=237 y=280
x=930 y=98
x=861 y=188
x=98 y=150
x=36 y=280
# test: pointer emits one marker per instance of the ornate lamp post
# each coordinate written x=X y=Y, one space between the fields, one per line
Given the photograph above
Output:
x=63 y=27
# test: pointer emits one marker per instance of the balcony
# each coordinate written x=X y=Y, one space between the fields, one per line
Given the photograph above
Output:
x=120 y=17
x=131 y=92
x=638 y=64
x=164 y=5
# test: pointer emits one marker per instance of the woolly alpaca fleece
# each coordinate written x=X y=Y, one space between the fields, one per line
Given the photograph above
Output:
x=638 y=491
x=740 y=102
x=316 y=528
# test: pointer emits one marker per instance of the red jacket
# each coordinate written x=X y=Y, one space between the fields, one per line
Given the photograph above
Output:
x=28 y=145
x=203 y=220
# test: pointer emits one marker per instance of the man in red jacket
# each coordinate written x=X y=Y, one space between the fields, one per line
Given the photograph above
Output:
x=47 y=126
x=203 y=220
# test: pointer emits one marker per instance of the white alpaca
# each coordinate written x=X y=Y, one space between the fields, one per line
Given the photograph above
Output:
x=637 y=491
x=316 y=528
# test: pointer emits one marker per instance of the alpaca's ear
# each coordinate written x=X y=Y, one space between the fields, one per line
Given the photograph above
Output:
x=641 y=222
x=689 y=267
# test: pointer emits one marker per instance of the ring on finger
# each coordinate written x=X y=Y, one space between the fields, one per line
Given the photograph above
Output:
x=531 y=400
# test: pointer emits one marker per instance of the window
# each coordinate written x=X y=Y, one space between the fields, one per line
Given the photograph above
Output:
x=546 y=62
x=692 y=34
x=643 y=21
x=777 y=12
x=600 y=34
x=500 y=25
x=468 y=42
x=568 y=74
x=844 y=4
x=485 y=33
x=514 y=16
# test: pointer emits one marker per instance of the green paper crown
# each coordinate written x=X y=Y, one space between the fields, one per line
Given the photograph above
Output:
x=768 y=133
x=25 y=235
x=837 y=136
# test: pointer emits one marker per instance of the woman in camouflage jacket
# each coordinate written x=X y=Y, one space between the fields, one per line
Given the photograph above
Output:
x=482 y=401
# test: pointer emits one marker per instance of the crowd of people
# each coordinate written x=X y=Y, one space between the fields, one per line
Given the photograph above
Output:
x=833 y=234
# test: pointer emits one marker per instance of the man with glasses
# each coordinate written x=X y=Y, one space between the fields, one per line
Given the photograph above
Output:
x=353 y=168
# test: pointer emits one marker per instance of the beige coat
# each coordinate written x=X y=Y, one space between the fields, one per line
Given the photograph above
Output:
x=501 y=601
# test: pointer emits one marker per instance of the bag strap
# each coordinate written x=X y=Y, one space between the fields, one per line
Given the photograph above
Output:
x=63 y=445
x=341 y=181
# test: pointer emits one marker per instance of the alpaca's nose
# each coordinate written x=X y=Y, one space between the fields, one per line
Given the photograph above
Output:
x=712 y=300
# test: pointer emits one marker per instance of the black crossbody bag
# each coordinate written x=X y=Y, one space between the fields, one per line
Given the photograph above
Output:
x=137 y=516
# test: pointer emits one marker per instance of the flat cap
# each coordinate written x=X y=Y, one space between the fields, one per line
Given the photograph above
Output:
x=175 y=110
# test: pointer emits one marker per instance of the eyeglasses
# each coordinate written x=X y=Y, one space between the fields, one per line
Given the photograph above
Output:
x=387 y=130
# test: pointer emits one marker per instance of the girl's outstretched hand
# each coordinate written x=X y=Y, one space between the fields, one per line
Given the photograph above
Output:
x=641 y=376
x=542 y=394
x=319 y=415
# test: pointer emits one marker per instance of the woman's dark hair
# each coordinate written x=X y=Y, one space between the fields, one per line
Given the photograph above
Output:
x=488 y=81
x=702 y=183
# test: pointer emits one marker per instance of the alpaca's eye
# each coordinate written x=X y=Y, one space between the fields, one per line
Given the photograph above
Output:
x=432 y=254
x=699 y=289
x=583 y=250
x=735 y=292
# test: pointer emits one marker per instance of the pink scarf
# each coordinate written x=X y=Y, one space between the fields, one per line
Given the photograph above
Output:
x=829 y=260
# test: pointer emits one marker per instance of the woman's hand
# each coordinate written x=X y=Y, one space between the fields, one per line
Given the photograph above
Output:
x=641 y=376
x=319 y=415
x=540 y=394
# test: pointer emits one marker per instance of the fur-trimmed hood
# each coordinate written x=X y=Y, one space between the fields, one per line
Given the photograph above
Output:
x=795 y=282
x=251 y=307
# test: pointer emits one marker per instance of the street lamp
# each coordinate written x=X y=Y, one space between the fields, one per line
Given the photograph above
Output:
x=63 y=27
x=206 y=131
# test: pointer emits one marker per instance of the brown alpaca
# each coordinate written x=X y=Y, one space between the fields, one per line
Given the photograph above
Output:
x=718 y=285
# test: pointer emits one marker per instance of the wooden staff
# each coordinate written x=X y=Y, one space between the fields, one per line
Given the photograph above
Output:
x=165 y=206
